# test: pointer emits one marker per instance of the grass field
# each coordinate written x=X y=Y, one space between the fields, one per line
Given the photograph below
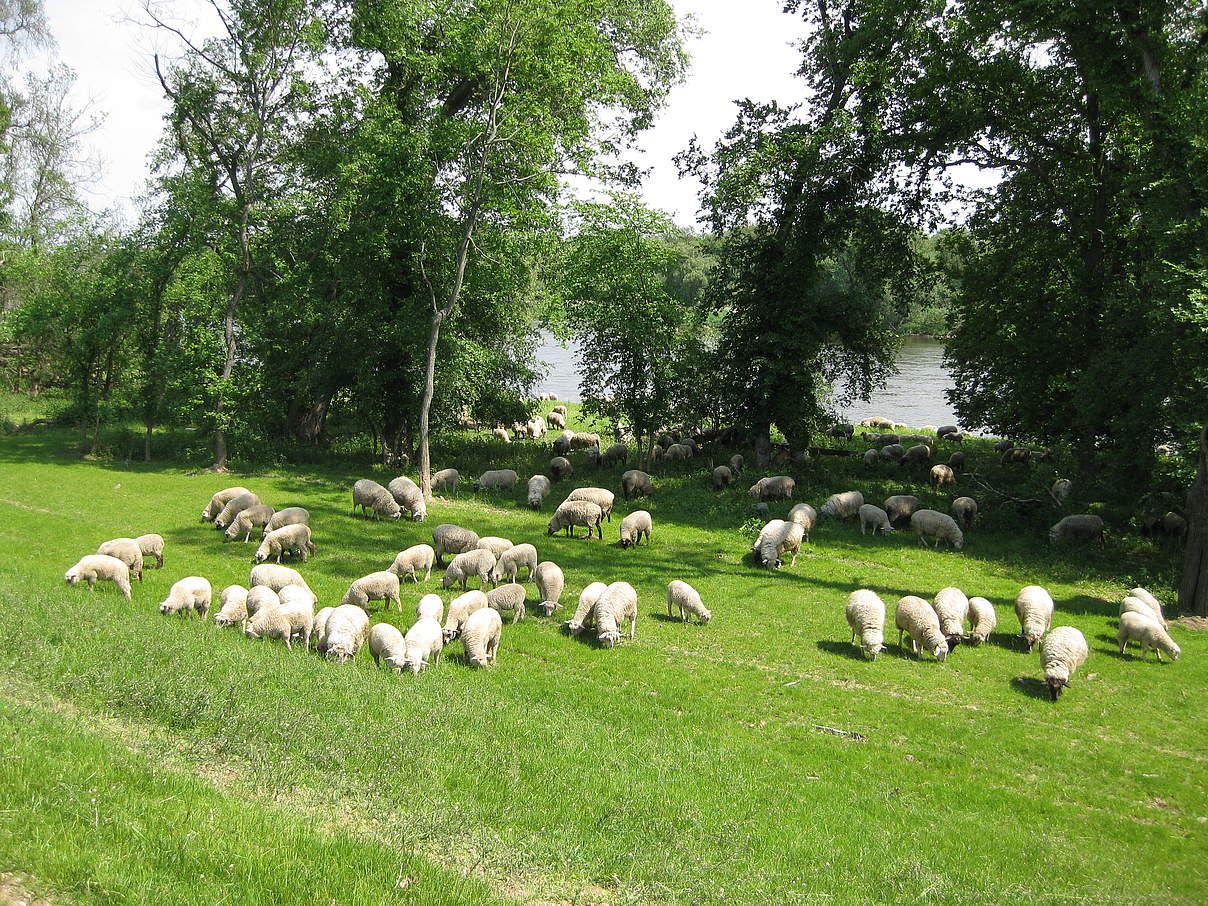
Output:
x=145 y=759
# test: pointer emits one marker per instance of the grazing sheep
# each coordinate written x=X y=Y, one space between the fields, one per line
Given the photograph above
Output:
x=128 y=551
x=776 y=538
x=345 y=630
x=806 y=517
x=408 y=563
x=577 y=512
x=562 y=443
x=842 y=506
x=585 y=611
x=841 y=431
x=560 y=409
x=269 y=623
x=446 y=480
x=982 y=620
x=614 y=454
x=233 y=508
x=538 y=489
x=1003 y=446
x=387 y=643
x=253 y=517
x=100 y=566
x=919 y=455
x=550 y=583
x=866 y=616
x=152 y=546
x=877 y=421
x=687 y=599
x=480 y=636
x=275 y=576
x=535 y=427
x=291 y=515
x=1132 y=604
x=951 y=606
x=1034 y=608
x=371 y=497
x=291 y=539
x=947 y=429
x=1081 y=527
x=319 y=628
x=893 y=453
x=917 y=618
x=941 y=525
x=636 y=483
x=508 y=597
x=424 y=642
x=452 y=539
x=774 y=487
x=1017 y=455
x=1062 y=652
x=964 y=511
x=478 y=563
x=875 y=518
x=494 y=544
x=893 y=440
x=512 y=560
x=942 y=475
x=379 y=586
x=1136 y=627
x=409 y=497
x=496 y=479
x=601 y=497
x=956 y=461
x=560 y=467
x=261 y=597
x=298 y=609
x=189 y=593
x=871 y=458
x=1149 y=599
x=737 y=463
x=501 y=434
x=722 y=476
x=459 y=609
x=430 y=605
x=584 y=440
x=634 y=526
x=900 y=506
x=618 y=603
x=557 y=420
x=234 y=606
x=220 y=500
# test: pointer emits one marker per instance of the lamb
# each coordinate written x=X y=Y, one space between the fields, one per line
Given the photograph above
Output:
x=480 y=637
x=722 y=476
x=776 y=538
x=585 y=612
x=128 y=551
x=866 y=616
x=1135 y=627
x=261 y=597
x=387 y=643
x=291 y=515
x=275 y=577
x=152 y=546
x=234 y=606
x=871 y=458
x=269 y=623
x=875 y=518
x=774 y=487
x=494 y=544
x=964 y=511
x=618 y=603
x=900 y=506
x=1062 y=652
x=452 y=539
x=371 y=497
x=951 y=606
x=982 y=620
x=478 y=563
x=409 y=497
x=806 y=517
x=233 y=508
x=1151 y=601
x=538 y=489
x=687 y=599
x=550 y=583
x=446 y=480
x=917 y=618
x=920 y=454
x=601 y=497
x=257 y=516
x=430 y=605
x=737 y=463
x=560 y=467
x=220 y=500
x=942 y=475
x=501 y=479
x=459 y=609
x=634 y=526
x=408 y=563
x=508 y=597
x=189 y=593
x=513 y=560
x=842 y=506
x=1034 y=607
x=291 y=539
x=379 y=586
x=941 y=525
x=535 y=427
x=100 y=566
x=424 y=641
x=1081 y=527
x=614 y=454
x=577 y=512
x=344 y=632
x=557 y=420
x=636 y=483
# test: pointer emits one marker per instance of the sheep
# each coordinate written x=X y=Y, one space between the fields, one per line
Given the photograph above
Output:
x=478 y=563
x=275 y=576
x=480 y=637
x=430 y=605
x=618 y=603
x=387 y=644
x=319 y=629
x=557 y=420
x=233 y=508
x=291 y=539
x=446 y=480
x=425 y=641
x=656 y=455
x=964 y=511
x=871 y=458
x=512 y=560
x=344 y=632
x=951 y=606
x=1062 y=652
x=560 y=467
x=893 y=453
x=842 y=506
x=1081 y=527
x=409 y=497
x=220 y=500
x=876 y=421
x=371 y=497
x=776 y=538
x=294 y=617
x=722 y=476
x=583 y=440
x=234 y=606
x=496 y=479
x=841 y=431
x=636 y=483
x=508 y=597
x=269 y=623
x=806 y=517
x=100 y=566
x=452 y=539
x=501 y=434
x=538 y=489
x=900 y=506
x=585 y=611
x=577 y=512
x=1015 y=454
x=1003 y=445
x=920 y=454
x=956 y=461
x=982 y=620
x=189 y=593
x=494 y=544
x=614 y=454
x=151 y=545
x=253 y=517
x=942 y=475
x=379 y=586
x=947 y=429
x=550 y=583
x=687 y=599
x=875 y=518
x=261 y=597
x=1135 y=627
x=774 y=487
x=915 y=617
x=941 y=525
x=560 y=409
x=459 y=609
x=884 y=440
x=601 y=497
x=409 y=562
x=1149 y=599
x=866 y=616
x=291 y=515
x=634 y=526
x=128 y=551
x=535 y=427
x=1034 y=608
x=737 y=463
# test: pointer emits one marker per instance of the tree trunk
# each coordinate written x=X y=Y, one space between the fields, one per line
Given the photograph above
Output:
x=425 y=406
x=228 y=334
x=307 y=419
x=763 y=444
x=1193 y=590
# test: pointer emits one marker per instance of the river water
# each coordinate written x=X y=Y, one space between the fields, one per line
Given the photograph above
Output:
x=913 y=396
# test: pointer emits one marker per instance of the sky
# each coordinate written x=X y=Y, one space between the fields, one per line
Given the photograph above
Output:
x=745 y=49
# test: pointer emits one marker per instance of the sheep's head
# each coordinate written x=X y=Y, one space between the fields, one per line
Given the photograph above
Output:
x=72 y=576
x=340 y=652
x=1174 y=651
x=229 y=534
x=871 y=651
x=941 y=651
x=395 y=663
x=626 y=541
x=886 y=530
x=1056 y=686
x=548 y=607
x=448 y=579
x=250 y=632
x=170 y=607
x=479 y=661
x=705 y=615
x=449 y=635
x=610 y=638
x=552 y=527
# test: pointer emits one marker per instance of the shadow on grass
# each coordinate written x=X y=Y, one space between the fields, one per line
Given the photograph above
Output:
x=842 y=649
x=1031 y=687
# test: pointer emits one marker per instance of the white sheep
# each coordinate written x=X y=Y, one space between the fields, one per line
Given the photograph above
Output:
x=219 y=500
x=344 y=632
x=806 y=517
x=319 y=629
x=1153 y=602
x=687 y=599
x=387 y=643
x=254 y=517
x=584 y=440
x=478 y=563
x=614 y=454
x=508 y=597
x=601 y=497
x=446 y=480
x=1132 y=604
x=634 y=526
x=842 y=506
x=577 y=512
x=618 y=603
x=919 y=454
x=1136 y=627
x=538 y=490
x=875 y=518
x=234 y=606
x=1034 y=608
x=1060 y=491
x=261 y=597
x=777 y=538
x=550 y=584
x=774 y=487
x=275 y=576
x=152 y=545
x=501 y=434
x=636 y=483
x=188 y=594
x=560 y=468
x=1080 y=527
x=425 y=641
x=737 y=463
x=942 y=526
x=128 y=551
x=293 y=618
x=430 y=605
x=512 y=560
x=951 y=606
x=459 y=609
x=291 y=515
x=494 y=544
x=722 y=476
x=409 y=563
x=378 y=586
x=289 y=539
x=942 y=475
x=557 y=420
x=1062 y=652
x=900 y=506
x=480 y=636
x=409 y=497
x=501 y=479
x=964 y=511
x=452 y=539
x=866 y=616
x=585 y=611
x=871 y=458
x=100 y=566
x=917 y=618
x=892 y=452
x=982 y=620
x=371 y=497
x=233 y=508
x=269 y=623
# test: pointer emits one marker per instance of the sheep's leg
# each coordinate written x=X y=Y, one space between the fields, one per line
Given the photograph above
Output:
x=633 y=624
x=853 y=636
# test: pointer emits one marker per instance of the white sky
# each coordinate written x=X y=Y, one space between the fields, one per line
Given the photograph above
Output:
x=746 y=51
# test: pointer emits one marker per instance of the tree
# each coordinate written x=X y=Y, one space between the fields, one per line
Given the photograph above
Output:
x=1193 y=590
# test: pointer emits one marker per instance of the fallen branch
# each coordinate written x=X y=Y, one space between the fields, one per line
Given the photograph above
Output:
x=846 y=734
x=1010 y=498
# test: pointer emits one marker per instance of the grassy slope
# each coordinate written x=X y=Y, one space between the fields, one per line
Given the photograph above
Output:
x=684 y=767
